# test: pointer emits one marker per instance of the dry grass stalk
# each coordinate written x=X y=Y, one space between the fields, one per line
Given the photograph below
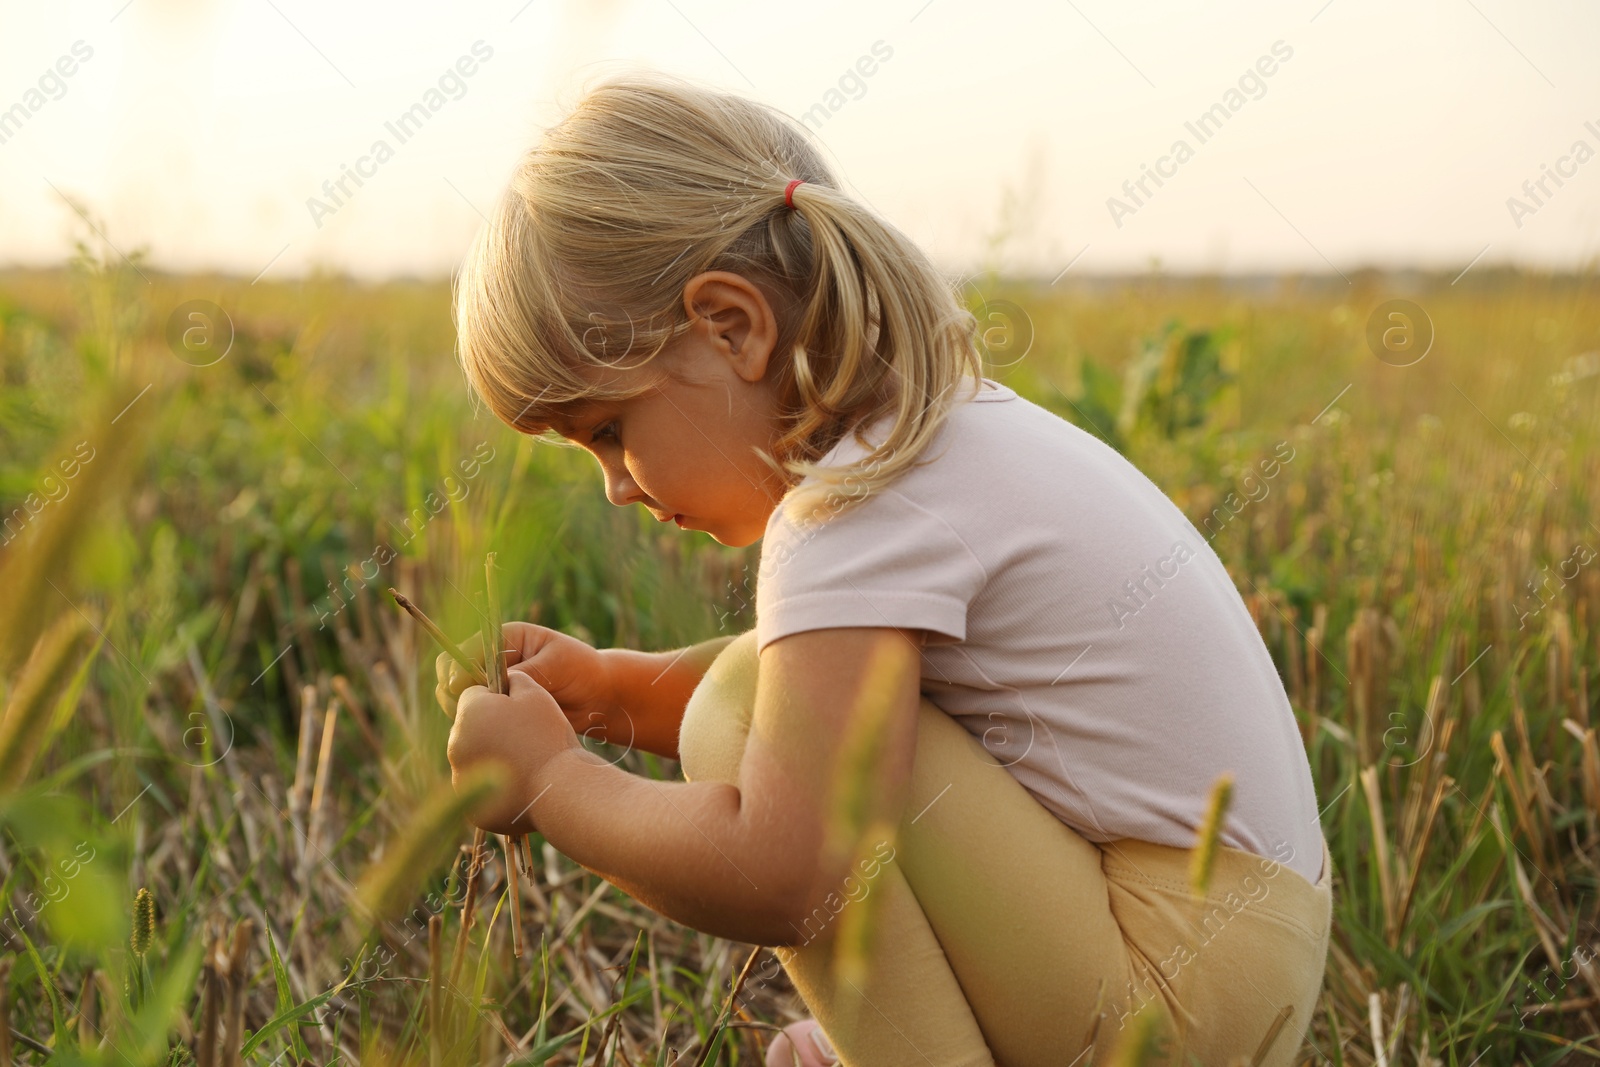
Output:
x=1419 y=853
x=1519 y=800
x=491 y=1036
x=498 y=682
x=582 y=911
x=1271 y=1035
x=237 y=971
x=435 y=990
x=1550 y=932
x=605 y=1039
x=353 y=704
x=1441 y=749
x=300 y=792
x=1581 y=697
x=1397 y=1025
x=1559 y=661
x=319 y=793
x=1380 y=849
x=514 y=887
x=1591 y=767
x=1418 y=783
x=346 y=693
x=1360 y=647
x=1519 y=721
x=723 y=1015
x=205 y=1054
x=494 y=666
x=462 y=659
x=1529 y=771
x=1375 y=1024
x=343 y=690
x=469 y=902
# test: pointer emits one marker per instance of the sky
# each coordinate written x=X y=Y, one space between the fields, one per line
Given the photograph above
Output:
x=999 y=136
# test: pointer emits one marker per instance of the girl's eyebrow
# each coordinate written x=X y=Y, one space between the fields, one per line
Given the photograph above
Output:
x=566 y=425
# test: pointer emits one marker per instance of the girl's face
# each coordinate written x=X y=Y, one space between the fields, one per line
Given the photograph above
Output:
x=685 y=448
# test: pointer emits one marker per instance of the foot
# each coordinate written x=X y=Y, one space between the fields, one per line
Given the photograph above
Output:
x=802 y=1043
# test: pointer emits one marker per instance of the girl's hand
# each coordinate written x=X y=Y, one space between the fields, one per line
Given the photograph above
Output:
x=522 y=730
x=573 y=673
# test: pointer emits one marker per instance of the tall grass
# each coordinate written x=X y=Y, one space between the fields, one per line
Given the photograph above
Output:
x=240 y=650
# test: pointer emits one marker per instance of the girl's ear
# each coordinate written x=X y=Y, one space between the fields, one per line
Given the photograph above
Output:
x=739 y=321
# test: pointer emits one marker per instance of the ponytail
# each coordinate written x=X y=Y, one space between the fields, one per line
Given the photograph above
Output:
x=882 y=333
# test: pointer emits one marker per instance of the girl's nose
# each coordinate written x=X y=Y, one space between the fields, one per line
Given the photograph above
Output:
x=621 y=489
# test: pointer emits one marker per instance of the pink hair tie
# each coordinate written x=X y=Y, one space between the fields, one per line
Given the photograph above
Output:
x=788 y=194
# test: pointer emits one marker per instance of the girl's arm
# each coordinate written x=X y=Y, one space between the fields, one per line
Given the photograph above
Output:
x=651 y=690
x=748 y=862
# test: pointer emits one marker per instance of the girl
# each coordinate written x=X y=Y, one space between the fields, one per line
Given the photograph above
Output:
x=956 y=773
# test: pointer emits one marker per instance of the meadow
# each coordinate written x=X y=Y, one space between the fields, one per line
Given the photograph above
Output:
x=230 y=834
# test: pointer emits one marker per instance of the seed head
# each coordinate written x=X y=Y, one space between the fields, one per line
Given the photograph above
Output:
x=1205 y=851
x=144 y=922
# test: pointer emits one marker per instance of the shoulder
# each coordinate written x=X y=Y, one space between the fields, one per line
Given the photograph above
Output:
x=971 y=434
x=891 y=525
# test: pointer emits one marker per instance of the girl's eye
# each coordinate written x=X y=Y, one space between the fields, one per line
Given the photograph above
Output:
x=608 y=430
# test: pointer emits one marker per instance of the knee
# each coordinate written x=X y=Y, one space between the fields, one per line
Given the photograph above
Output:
x=940 y=736
x=716 y=720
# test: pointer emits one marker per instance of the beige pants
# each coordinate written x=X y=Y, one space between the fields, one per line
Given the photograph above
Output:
x=1001 y=936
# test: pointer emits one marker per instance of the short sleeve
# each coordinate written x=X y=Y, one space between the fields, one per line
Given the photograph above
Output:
x=887 y=561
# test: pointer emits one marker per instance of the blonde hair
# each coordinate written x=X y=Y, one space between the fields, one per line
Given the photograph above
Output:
x=651 y=180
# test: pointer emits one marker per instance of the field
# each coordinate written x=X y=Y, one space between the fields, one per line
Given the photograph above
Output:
x=222 y=707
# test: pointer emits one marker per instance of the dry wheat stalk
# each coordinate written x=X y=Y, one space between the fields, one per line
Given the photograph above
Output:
x=236 y=973
x=468 y=902
x=474 y=671
x=1380 y=849
x=435 y=992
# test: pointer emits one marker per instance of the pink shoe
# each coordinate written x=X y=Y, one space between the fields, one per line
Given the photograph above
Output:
x=802 y=1043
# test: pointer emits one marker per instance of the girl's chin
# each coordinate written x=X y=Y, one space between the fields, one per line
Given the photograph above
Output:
x=735 y=540
x=735 y=533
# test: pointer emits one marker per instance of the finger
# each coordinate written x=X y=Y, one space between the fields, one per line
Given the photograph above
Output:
x=446 y=699
x=524 y=685
x=523 y=640
x=465 y=646
x=529 y=669
x=460 y=679
x=470 y=694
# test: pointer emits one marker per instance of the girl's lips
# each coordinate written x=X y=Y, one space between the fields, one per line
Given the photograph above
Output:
x=679 y=520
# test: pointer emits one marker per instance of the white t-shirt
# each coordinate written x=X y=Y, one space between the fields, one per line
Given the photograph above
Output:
x=1080 y=627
